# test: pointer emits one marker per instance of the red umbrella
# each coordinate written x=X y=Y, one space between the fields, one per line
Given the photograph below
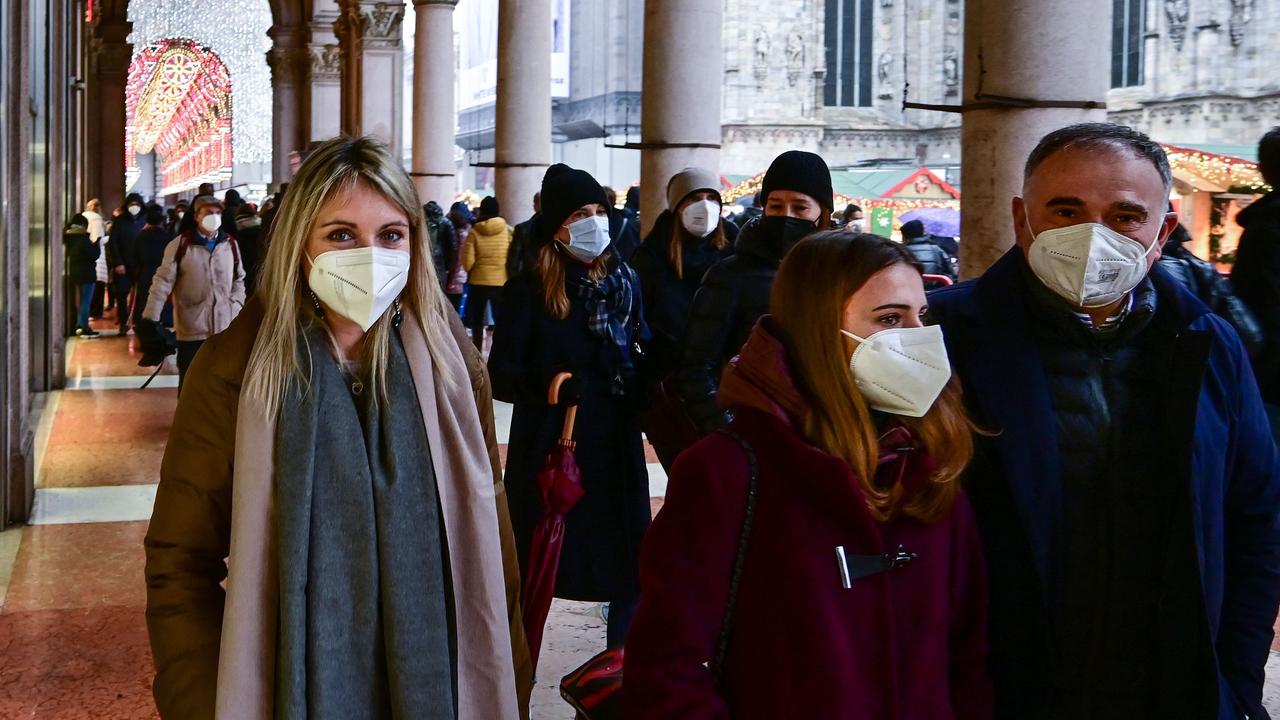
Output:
x=560 y=484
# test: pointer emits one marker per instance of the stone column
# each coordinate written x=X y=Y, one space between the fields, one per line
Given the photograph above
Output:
x=522 y=149
x=1030 y=50
x=289 y=60
x=113 y=58
x=372 y=69
x=680 y=111
x=433 y=115
x=323 y=113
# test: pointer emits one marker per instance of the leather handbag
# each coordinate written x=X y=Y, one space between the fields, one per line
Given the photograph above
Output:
x=595 y=689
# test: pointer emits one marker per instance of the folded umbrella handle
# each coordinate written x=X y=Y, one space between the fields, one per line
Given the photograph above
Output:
x=553 y=399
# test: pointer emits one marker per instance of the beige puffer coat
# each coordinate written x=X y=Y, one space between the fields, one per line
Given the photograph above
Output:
x=208 y=290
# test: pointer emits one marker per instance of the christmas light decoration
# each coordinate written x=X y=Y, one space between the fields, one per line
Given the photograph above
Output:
x=236 y=32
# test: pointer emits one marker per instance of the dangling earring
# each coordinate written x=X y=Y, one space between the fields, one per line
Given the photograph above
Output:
x=316 y=302
x=399 y=316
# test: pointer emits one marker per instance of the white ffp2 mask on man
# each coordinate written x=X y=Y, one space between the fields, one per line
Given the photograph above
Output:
x=901 y=370
x=360 y=283
x=1089 y=265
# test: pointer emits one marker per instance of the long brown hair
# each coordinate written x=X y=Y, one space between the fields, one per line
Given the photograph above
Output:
x=679 y=236
x=550 y=268
x=809 y=294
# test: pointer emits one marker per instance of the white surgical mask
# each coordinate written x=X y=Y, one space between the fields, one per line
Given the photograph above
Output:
x=181 y=214
x=589 y=237
x=1089 y=265
x=211 y=222
x=701 y=218
x=361 y=283
x=134 y=209
x=901 y=370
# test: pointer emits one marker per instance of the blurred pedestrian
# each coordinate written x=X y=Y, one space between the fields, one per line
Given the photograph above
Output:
x=122 y=257
x=444 y=251
x=149 y=249
x=579 y=310
x=686 y=240
x=461 y=218
x=248 y=236
x=98 y=233
x=524 y=243
x=204 y=272
x=82 y=255
x=1204 y=281
x=485 y=260
x=1256 y=275
x=798 y=200
x=861 y=561
x=1129 y=494
x=337 y=441
x=928 y=254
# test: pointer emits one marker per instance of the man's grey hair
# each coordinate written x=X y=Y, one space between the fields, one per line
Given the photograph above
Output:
x=1100 y=136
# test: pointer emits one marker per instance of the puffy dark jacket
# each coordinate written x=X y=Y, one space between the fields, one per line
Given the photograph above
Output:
x=668 y=299
x=82 y=256
x=522 y=255
x=1203 y=280
x=149 y=250
x=932 y=258
x=733 y=296
x=1256 y=278
x=123 y=246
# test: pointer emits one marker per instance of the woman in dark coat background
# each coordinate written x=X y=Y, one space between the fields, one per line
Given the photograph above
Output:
x=82 y=273
x=686 y=240
x=578 y=310
x=862 y=591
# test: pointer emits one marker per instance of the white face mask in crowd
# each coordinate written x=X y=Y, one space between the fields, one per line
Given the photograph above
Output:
x=701 y=218
x=181 y=214
x=361 y=283
x=589 y=237
x=1089 y=265
x=134 y=210
x=211 y=222
x=901 y=370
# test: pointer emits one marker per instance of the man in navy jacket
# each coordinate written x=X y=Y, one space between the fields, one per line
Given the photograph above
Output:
x=1129 y=493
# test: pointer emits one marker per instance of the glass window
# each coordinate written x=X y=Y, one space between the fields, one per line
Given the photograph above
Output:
x=1126 y=42
x=849 y=40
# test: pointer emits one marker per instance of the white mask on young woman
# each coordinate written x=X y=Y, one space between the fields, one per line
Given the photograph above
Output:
x=1089 y=265
x=901 y=370
x=701 y=218
x=588 y=237
x=360 y=283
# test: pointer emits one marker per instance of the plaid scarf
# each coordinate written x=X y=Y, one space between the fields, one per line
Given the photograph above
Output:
x=614 y=315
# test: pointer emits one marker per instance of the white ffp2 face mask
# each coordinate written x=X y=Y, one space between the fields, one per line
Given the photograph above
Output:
x=589 y=237
x=701 y=218
x=211 y=222
x=901 y=370
x=361 y=283
x=1089 y=265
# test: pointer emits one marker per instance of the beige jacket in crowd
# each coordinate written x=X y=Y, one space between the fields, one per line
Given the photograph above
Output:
x=208 y=290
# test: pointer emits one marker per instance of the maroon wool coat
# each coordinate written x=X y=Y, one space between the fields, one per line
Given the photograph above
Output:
x=906 y=644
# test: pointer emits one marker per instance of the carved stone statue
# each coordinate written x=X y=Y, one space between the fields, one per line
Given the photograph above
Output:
x=951 y=70
x=884 y=67
x=762 y=47
x=1241 y=16
x=795 y=58
x=1177 y=12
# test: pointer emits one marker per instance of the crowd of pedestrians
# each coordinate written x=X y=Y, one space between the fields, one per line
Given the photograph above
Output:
x=1050 y=491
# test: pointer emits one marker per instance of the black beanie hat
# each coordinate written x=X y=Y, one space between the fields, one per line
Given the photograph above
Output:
x=132 y=198
x=912 y=229
x=564 y=190
x=489 y=207
x=801 y=172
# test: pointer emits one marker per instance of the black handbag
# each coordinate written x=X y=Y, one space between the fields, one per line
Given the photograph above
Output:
x=595 y=689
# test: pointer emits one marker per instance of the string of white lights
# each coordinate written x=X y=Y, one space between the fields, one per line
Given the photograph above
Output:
x=237 y=31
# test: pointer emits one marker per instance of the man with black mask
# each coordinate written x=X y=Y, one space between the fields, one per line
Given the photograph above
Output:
x=798 y=200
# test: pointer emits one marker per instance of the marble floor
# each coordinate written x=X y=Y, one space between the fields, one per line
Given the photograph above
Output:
x=72 y=633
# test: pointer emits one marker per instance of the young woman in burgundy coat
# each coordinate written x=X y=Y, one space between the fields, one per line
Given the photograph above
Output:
x=862 y=594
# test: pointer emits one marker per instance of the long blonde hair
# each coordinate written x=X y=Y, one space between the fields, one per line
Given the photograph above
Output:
x=807 y=304
x=550 y=272
x=336 y=166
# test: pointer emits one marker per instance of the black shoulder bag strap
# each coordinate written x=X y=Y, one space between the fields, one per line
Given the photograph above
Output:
x=722 y=648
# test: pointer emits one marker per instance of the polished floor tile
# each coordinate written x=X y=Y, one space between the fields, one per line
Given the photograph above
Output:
x=108 y=356
x=116 y=503
x=79 y=664
x=77 y=567
x=108 y=437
